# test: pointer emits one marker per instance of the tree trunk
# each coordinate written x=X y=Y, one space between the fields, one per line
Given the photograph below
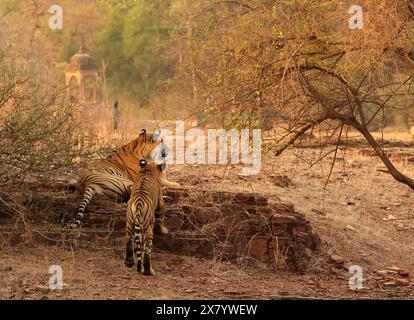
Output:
x=397 y=175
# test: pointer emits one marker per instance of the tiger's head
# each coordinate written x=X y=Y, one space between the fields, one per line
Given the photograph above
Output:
x=152 y=168
x=150 y=147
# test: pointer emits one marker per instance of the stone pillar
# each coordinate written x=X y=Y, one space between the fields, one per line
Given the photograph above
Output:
x=94 y=88
x=67 y=83
x=81 y=89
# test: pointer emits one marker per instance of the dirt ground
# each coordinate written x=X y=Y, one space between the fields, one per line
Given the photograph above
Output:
x=362 y=215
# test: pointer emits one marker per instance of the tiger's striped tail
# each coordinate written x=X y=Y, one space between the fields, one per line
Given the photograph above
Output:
x=87 y=197
x=139 y=253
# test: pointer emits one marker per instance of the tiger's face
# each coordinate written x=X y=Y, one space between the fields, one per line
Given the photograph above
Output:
x=152 y=147
x=151 y=168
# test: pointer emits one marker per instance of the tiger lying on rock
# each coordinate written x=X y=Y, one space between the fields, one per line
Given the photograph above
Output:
x=113 y=176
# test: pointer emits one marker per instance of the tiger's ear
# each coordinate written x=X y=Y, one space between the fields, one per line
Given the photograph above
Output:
x=142 y=163
x=143 y=131
x=156 y=136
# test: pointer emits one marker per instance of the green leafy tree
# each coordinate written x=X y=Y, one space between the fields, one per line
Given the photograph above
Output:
x=297 y=66
x=134 y=41
x=7 y=6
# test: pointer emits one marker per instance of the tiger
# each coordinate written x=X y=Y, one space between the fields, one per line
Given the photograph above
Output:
x=113 y=177
x=146 y=199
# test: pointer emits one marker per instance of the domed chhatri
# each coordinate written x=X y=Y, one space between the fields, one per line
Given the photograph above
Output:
x=81 y=61
x=81 y=69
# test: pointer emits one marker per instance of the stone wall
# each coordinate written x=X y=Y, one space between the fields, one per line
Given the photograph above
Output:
x=238 y=225
x=210 y=224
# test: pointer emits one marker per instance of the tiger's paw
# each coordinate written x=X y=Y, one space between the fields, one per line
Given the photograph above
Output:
x=129 y=262
x=149 y=272
x=139 y=267
x=171 y=184
x=159 y=228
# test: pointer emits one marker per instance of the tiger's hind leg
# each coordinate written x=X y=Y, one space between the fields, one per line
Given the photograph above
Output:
x=159 y=226
x=130 y=234
x=129 y=256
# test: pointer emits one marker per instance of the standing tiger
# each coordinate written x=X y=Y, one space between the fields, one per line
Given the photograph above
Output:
x=113 y=176
x=146 y=198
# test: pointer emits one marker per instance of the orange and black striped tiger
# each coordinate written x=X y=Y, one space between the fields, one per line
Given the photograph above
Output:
x=146 y=198
x=113 y=176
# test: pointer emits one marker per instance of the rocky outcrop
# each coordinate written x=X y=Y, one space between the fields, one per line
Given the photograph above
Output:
x=202 y=223
x=238 y=225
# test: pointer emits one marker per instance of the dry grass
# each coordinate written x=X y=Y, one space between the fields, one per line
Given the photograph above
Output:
x=347 y=214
